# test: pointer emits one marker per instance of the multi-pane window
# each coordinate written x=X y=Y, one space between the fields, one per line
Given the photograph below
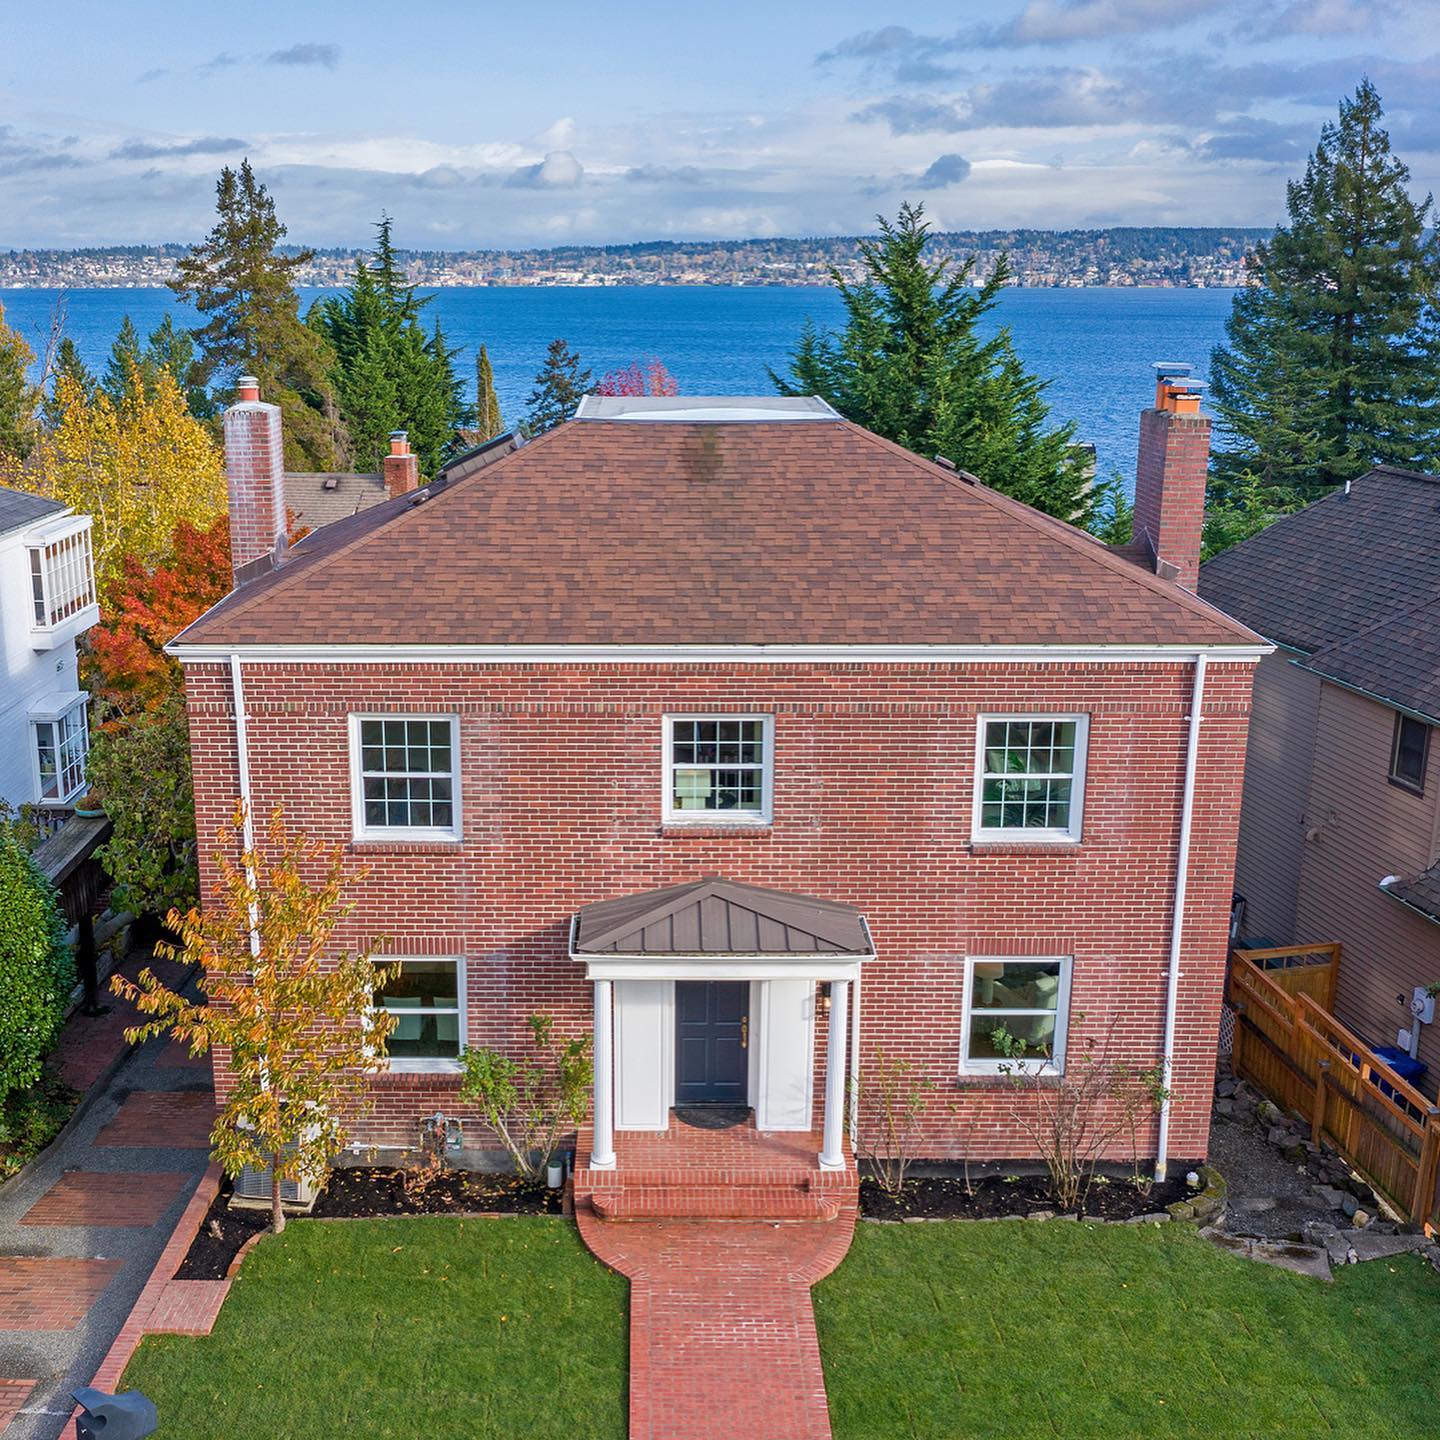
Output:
x=62 y=575
x=61 y=737
x=425 y=998
x=717 y=767
x=1407 y=753
x=1031 y=776
x=406 y=775
x=1015 y=1009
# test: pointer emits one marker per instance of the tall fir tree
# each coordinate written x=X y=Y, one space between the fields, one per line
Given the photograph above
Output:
x=125 y=370
x=911 y=364
x=389 y=375
x=18 y=396
x=1333 y=357
x=239 y=280
x=488 y=420
x=70 y=367
x=560 y=383
x=171 y=348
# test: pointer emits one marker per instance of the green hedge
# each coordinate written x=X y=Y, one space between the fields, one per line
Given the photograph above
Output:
x=36 y=967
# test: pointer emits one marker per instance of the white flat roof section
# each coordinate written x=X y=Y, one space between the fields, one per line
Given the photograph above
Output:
x=705 y=409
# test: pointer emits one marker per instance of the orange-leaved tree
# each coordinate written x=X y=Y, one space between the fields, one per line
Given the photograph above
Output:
x=148 y=606
x=296 y=1016
x=649 y=378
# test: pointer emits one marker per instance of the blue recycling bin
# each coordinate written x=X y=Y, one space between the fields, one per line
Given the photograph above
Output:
x=1405 y=1065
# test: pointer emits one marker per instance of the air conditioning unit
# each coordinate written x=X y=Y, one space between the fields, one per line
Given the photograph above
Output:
x=252 y=1189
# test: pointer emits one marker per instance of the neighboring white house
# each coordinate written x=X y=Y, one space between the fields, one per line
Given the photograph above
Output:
x=47 y=600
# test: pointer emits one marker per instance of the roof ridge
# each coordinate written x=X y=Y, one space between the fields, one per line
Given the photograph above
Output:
x=1069 y=535
x=451 y=487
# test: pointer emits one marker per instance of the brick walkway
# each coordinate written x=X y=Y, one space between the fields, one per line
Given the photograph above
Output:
x=82 y=1226
x=722 y=1332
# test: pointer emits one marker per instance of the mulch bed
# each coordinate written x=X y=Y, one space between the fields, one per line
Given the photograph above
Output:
x=950 y=1198
x=365 y=1193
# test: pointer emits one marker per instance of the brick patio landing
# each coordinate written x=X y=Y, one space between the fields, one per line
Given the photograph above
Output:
x=722 y=1334
x=685 y=1173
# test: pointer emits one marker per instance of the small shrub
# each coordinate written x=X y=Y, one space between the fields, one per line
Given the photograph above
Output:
x=36 y=971
x=529 y=1103
x=893 y=1097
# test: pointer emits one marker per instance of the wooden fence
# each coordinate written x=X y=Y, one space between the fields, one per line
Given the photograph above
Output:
x=1288 y=1045
x=1300 y=969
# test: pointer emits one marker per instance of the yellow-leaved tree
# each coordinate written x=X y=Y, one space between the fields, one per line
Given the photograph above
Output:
x=139 y=467
x=297 y=1017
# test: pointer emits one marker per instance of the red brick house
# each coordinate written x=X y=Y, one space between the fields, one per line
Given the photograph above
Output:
x=756 y=742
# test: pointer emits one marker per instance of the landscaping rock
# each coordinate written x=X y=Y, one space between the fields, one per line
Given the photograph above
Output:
x=1278 y=1136
x=1156 y=1217
x=1225 y=1088
x=1332 y=1197
x=1255 y=1204
x=1286 y=1255
x=1225 y=1107
x=1371 y=1246
x=1361 y=1218
x=1349 y=1204
x=1041 y=1215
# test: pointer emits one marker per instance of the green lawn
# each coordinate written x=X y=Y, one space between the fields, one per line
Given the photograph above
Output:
x=945 y=1331
x=414 y=1327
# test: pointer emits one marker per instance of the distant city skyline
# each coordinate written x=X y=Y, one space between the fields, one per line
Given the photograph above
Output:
x=481 y=127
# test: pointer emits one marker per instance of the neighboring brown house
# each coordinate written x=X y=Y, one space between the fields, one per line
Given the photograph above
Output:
x=1340 y=826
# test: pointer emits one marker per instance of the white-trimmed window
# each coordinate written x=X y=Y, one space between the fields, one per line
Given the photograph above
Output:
x=1028 y=999
x=718 y=769
x=405 y=772
x=62 y=572
x=1030 y=777
x=59 y=745
x=427 y=998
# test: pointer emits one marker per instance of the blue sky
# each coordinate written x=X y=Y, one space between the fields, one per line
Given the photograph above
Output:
x=476 y=124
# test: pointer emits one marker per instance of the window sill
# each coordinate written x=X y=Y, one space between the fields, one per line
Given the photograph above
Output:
x=993 y=1080
x=407 y=844
x=1007 y=845
x=417 y=1079
x=712 y=829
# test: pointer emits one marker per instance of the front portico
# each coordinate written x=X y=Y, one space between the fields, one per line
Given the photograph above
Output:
x=709 y=994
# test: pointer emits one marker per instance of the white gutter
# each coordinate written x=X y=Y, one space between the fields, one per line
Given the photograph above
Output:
x=459 y=654
x=1177 y=919
x=247 y=820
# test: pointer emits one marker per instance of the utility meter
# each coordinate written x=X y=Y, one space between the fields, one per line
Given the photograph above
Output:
x=1422 y=1005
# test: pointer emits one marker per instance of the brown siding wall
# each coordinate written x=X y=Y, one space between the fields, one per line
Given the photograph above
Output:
x=1278 y=760
x=1366 y=829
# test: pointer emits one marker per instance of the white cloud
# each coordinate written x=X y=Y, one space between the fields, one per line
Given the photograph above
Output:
x=559 y=170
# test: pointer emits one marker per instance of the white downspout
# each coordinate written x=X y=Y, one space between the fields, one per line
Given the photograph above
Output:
x=1177 y=919
x=242 y=765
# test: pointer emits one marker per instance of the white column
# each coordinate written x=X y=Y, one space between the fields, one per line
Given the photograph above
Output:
x=602 y=1150
x=832 y=1156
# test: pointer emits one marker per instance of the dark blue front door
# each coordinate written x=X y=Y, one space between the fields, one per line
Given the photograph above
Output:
x=712 y=1037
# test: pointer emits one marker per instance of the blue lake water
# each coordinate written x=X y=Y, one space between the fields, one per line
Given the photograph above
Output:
x=1095 y=346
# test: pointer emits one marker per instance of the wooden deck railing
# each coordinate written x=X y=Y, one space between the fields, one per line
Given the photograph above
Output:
x=1288 y=1045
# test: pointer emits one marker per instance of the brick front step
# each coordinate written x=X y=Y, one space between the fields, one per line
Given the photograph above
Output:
x=689 y=1201
x=628 y=1177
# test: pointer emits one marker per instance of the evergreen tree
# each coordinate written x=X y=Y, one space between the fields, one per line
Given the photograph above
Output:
x=558 y=387
x=245 y=288
x=18 y=397
x=488 y=421
x=172 y=349
x=388 y=374
x=68 y=366
x=1333 y=357
x=126 y=366
x=911 y=364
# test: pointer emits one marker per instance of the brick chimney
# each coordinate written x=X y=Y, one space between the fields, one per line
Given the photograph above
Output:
x=255 y=478
x=1170 y=475
x=401 y=466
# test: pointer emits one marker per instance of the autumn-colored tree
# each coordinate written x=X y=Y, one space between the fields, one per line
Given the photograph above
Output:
x=18 y=397
x=637 y=378
x=147 y=607
x=139 y=468
x=296 y=1017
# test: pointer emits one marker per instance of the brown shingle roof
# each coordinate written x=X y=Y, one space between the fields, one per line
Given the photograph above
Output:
x=719 y=917
x=679 y=533
x=322 y=497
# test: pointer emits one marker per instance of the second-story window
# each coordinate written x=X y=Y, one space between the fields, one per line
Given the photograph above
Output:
x=1030 y=777
x=717 y=769
x=405 y=776
x=62 y=572
x=60 y=736
x=1408 y=751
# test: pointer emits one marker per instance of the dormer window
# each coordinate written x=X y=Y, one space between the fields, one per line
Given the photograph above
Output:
x=62 y=580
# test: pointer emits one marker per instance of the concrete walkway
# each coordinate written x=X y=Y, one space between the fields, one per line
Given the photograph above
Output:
x=82 y=1227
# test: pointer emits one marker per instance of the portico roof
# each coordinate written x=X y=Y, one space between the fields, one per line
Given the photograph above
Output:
x=717 y=917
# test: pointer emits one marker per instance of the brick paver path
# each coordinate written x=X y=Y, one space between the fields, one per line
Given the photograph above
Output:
x=48 y=1292
x=13 y=1395
x=95 y=1197
x=169 y=1119
x=722 y=1332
